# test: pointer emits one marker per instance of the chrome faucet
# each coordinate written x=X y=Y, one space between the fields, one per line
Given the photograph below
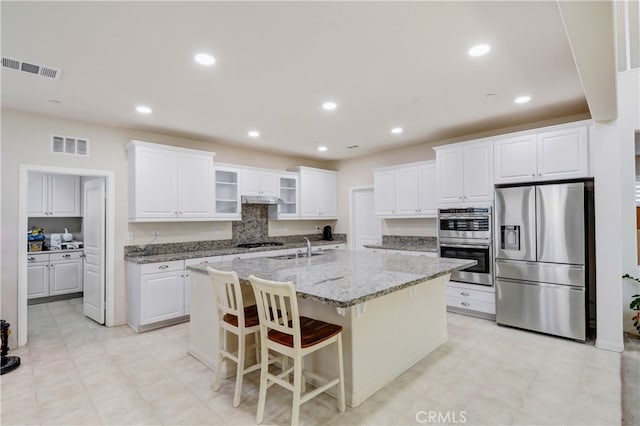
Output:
x=308 y=247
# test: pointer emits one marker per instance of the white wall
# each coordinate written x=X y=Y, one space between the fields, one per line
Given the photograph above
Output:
x=25 y=140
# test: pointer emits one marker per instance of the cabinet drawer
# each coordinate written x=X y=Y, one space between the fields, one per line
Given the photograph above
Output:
x=42 y=257
x=65 y=256
x=470 y=304
x=466 y=294
x=152 y=268
x=197 y=260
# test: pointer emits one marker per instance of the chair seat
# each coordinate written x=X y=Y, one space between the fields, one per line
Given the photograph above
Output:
x=250 y=317
x=312 y=332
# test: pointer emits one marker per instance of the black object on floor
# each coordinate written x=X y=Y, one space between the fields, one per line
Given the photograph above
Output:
x=9 y=363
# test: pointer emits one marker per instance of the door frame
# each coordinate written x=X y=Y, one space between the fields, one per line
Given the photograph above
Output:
x=352 y=213
x=109 y=271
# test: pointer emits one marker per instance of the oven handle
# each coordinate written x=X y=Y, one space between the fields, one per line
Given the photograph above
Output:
x=466 y=246
x=442 y=216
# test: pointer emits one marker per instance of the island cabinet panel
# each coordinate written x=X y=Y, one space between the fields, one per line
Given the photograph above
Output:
x=554 y=154
x=405 y=191
x=465 y=173
x=170 y=184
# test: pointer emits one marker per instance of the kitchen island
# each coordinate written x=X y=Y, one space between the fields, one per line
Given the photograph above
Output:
x=392 y=309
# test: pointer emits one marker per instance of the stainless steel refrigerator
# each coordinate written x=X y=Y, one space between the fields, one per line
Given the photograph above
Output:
x=544 y=258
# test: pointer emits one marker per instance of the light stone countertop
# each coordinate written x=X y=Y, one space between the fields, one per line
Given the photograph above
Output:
x=404 y=247
x=194 y=254
x=343 y=278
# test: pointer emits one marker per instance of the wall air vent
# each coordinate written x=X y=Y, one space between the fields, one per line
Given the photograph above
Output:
x=69 y=145
x=40 y=70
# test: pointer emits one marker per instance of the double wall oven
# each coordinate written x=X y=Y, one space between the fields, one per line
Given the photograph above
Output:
x=465 y=233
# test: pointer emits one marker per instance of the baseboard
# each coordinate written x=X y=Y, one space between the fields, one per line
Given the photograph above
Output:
x=610 y=345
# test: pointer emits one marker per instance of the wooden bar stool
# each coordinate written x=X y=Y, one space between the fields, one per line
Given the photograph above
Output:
x=294 y=336
x=235 y=318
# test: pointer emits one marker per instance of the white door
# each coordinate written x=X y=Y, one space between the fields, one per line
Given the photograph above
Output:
x=37 y=280
x=384 y=186
x=329 y=187
x=407 y=191
x=515 y=159
x=367 y=227
x=94 y=242
x=449 y=172
x=162 y=296
x=309 y=198
x=66 y=277
x=195 y=185
x=478 y=172
x=427 y=198
x=563 y=154
x=37 y=195
x=64 y=195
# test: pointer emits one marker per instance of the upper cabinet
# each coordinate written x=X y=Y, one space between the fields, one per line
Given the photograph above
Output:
x=465 y=172
x=550 y=155
x=406 y=191
x=260 y=182
x=317 y=193
x=53 y=195
x=289 y=193
x=227 y=195
x=167 y=183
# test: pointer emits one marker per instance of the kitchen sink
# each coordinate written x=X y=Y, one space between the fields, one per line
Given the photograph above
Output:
x=293 y=256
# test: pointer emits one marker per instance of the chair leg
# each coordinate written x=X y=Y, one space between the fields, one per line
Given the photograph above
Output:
x=341 y=404
x=221 y=343
x=239 y=369
x=297 y=389
x=256 y=336
x=264 y=370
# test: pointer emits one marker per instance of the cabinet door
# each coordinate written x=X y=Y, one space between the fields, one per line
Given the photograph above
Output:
x=515 y=159
x=328 y=195
x=563 y=154
x=37 y=195
x=162 y=296
x=227 y=193
x=195 y=186
x=449 y=168
x=478 y=172
x=407 y=191
x=269 y=184
x=257 y=182
x=37 y=280
x=289 y=193
x=310 y=184
x=64 y=195
x=66 y=276
x=187 y=293
x=156 y=181
x=427 y=189
x=384 y=188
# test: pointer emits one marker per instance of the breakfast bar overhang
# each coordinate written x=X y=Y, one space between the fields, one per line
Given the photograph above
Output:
x=392 y=309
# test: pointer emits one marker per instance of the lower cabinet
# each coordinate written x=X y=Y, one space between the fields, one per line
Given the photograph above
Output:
x=471 y=299
x=54 y=274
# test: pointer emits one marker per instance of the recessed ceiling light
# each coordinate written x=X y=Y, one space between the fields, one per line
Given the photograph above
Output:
x=205 y=59
x=322 y=148
x=479 y=50
x=143 y=109
x=522 y=99
x=254 y=134
x=396 y=130
x=329 y=106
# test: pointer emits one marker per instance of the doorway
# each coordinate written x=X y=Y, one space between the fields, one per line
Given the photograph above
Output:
x=99 y=271
x=365 y=227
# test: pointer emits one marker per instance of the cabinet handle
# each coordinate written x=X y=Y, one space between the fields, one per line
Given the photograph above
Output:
x=186 y=275
x=66 y=255
x=31 y=258
x=465 y=304
x=180 y=213
x=464 y=293
x=175 y=213
x=163 y=266
x=182 y=276
x=539 y=174
x=533 y=175
x=83 y=255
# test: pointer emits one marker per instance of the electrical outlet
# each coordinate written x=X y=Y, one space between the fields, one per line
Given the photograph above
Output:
x=155 y=234
x=130 y=236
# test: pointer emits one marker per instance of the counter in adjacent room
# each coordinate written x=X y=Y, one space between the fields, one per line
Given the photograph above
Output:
x=392 y=309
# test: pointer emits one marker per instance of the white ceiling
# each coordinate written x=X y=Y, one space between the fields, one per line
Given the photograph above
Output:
x=386 y=64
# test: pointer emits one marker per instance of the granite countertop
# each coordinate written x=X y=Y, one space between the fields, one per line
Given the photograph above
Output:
x=405 y=247
x=54 y=251
x=343 y=278
x=406 y=243
x=193 y=254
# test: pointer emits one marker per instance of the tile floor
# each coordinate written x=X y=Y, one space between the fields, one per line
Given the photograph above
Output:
x=75 y=372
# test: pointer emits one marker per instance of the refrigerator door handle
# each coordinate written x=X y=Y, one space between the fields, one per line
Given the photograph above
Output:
x=538 y=284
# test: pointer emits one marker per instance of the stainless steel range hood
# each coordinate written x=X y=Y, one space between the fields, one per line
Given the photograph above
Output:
x=261 y=199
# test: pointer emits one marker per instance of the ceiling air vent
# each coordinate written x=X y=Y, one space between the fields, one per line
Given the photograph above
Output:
x=41 y=70
x=70 y=146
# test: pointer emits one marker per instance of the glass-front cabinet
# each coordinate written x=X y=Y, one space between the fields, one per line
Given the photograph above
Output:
x=227 y=193
x=289 y=193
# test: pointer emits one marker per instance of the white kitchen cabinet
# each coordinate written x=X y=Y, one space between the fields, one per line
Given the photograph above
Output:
x=471 y=299
x=289 y=192
x=53 y=274
x=317 y=193
x=53 y=195
x=546 y=155
x=157 y=294
x=405 y=191
x=170 y=184
x=227 y=195
x=260 y=182
x=465 y=172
